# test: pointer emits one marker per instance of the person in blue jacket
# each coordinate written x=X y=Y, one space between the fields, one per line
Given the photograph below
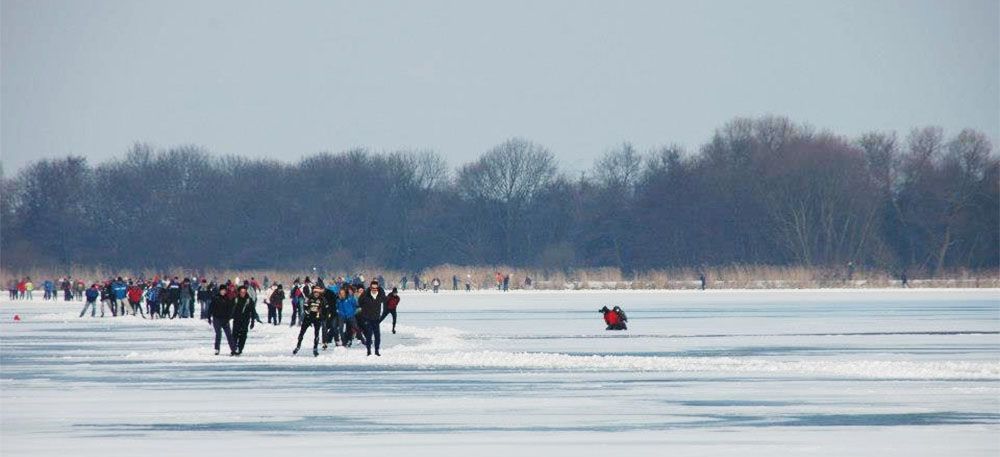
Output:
x=92 y=294
x=347 y=309
x=120 y=290
x=331 y=320
x=153 y=294
x=49 y=289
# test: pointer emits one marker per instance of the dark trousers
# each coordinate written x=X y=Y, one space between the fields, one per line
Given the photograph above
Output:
x=240 y=332
x=350 y=330
x=386 y=313
x=223 y=326
x=272 y=316
x=370 y=329
x=331 y=329
x=295 y=313
x=136 y=308
x=278 y=320
x=316 y=324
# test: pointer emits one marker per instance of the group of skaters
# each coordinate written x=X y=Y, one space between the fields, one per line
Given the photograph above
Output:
x=158 y=297
x=24 y=288
x=342 y=312
x=338 y=313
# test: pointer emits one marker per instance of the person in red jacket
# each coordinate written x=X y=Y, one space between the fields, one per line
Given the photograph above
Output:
x=615 y=318
x=134 y=294
x=391 y=302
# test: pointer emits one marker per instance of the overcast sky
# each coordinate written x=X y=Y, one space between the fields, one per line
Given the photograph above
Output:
x=288 y=79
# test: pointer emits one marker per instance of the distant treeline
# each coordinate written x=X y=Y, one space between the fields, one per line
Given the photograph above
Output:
x=762 y=191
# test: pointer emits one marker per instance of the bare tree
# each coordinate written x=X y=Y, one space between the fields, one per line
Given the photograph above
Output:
x=510 y=176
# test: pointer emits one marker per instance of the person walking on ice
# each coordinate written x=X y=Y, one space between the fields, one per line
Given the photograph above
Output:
x=222 y=312
x=244 y=316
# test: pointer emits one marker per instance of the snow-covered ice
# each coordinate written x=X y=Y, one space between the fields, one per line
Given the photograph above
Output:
x=799 y=372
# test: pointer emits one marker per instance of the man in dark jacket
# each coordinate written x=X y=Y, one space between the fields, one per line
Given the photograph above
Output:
x=222 y=312
x=331 y=322
x=371 y=303
x=244 y=315
x=312 y=315
x=173 y=297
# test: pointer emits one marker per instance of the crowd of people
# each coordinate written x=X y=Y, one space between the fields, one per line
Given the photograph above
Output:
x=339 y=312
x=24 y=288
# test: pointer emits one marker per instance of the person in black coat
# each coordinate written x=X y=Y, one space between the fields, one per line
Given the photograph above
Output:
x=331 y=322
x=244 y=315
x=312 y=315
x=371 y=303
x=222 y=312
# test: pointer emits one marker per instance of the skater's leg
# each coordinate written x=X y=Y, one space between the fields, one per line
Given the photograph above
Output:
x=218 y=334
x=316 y=326
x=229 y=337
x=302 y=331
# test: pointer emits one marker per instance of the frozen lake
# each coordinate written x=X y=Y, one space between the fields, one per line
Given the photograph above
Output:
x=827 y=372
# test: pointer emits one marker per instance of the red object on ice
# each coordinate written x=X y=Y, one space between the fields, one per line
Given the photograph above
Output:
x=17 y=318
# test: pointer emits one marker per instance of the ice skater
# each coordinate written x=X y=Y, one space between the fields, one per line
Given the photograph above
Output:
x=391 y=302
x=312 y=316
x=93 y=293
x=347 y=310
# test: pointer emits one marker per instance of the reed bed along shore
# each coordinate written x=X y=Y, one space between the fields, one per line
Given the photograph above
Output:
x=484 y=277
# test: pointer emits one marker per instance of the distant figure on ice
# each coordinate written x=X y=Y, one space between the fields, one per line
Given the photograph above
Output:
x=701 y=277
x=615 y=318
x=275 y=303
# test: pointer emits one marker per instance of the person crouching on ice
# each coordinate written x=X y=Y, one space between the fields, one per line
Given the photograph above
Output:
x=615 y=318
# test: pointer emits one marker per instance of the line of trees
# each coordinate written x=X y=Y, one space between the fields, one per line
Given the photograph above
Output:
x=760 y=191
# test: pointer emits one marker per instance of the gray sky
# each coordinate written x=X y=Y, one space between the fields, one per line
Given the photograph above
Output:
x=288 y=79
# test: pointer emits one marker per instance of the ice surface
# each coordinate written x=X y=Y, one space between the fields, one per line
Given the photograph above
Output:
x=829 y=372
